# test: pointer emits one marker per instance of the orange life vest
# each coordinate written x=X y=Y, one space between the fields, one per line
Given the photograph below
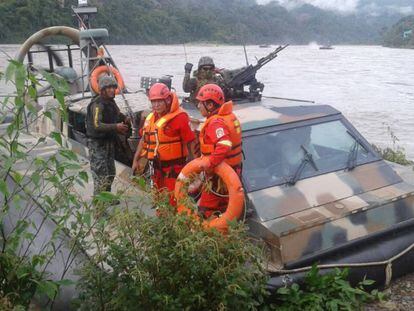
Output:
x=234 y=157
x=157 y=143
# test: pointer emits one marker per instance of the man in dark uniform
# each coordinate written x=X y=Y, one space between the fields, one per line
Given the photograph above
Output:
x=205 y=74
x=103 y=122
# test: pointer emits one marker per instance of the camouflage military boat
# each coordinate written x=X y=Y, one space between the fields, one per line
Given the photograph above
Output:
x=316 y=190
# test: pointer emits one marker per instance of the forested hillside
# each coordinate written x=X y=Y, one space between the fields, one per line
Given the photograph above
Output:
x=401 y=34
x=177 y=21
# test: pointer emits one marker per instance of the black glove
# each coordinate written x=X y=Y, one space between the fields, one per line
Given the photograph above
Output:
x=188 y=67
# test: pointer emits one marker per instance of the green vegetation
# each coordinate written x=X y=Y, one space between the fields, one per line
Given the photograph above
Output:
x=395 y=153
x=137 y=260
x=162 y=21
x=401 y=34
x=37 y=191
x=326 y=292
x=154 y=263
x=20 y=19
x=171 y=263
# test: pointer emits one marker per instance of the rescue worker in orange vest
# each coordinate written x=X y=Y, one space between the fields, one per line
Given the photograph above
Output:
x=166 y=139
x=220 y=140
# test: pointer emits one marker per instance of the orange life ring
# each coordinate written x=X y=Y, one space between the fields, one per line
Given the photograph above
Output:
x=230 y=178
x=98 y=71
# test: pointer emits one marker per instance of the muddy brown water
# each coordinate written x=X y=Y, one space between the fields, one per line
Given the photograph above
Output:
x=372 y=85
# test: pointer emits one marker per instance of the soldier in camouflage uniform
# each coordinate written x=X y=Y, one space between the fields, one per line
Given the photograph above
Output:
x=103 y=122
x=205 y=74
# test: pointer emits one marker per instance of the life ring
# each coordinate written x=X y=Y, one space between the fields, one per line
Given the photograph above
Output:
x=230 y=178
x=98 y=71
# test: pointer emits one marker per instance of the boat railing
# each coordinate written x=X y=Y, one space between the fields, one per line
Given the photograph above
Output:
x=49 y=50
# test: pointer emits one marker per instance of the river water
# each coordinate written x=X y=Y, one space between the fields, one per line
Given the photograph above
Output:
x=372 y=86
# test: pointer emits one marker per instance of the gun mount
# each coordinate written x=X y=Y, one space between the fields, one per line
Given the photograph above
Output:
x=237 y=79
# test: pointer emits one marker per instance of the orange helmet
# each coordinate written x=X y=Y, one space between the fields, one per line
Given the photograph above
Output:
x=159 y=91
x=211 y=92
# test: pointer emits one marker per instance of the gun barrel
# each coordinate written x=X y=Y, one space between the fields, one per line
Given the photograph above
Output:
x=272 y=55
x=248 y=74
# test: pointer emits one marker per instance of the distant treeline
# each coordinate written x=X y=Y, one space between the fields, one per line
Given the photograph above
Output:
x=178 y=21
x=401 y=34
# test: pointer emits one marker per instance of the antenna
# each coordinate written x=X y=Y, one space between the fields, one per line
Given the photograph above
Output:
x=243 y=39
x=185 y=53
x=84 y=13
x=245 y=54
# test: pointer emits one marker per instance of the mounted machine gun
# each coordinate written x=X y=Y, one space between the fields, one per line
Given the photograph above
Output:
x=237 y=79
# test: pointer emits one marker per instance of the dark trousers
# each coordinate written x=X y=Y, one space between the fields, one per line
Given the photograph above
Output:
x=102 y=160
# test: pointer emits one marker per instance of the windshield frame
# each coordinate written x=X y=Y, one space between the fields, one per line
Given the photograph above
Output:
x=271 y=129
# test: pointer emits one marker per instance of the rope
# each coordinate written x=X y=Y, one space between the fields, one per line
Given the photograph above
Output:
x=218 y=194
x=388 y=274
x=388 y=263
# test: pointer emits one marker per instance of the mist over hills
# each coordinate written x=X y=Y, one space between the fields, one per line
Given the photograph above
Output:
x=386 y=6
x=401 y=35
x=371 y=7
x=228 y=21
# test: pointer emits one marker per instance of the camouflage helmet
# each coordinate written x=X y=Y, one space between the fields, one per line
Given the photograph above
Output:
x=205 y=61
x=107 y=81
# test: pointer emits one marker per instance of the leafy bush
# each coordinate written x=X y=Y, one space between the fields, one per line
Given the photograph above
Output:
x=6 y=305
x=33 y=194
x=326 y=292
x=395 y=153
x=171 y=263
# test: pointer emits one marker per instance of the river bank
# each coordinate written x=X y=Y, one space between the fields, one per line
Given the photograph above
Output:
x=400 y=296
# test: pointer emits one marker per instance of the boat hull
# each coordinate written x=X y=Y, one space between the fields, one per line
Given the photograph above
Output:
x=383 y=258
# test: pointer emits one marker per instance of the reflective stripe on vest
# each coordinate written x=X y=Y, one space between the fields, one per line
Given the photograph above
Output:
x=234 y=156
x=157 y=143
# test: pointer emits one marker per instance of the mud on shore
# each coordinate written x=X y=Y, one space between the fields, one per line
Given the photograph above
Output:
x=399 y=296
